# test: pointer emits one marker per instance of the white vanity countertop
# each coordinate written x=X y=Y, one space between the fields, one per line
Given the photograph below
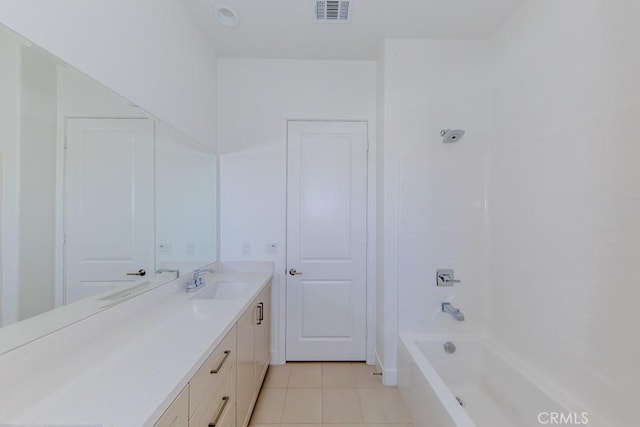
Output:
x=31 y=329
x=125 y=365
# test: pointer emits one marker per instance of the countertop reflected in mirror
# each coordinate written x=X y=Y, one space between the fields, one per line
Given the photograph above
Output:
x=97 y=195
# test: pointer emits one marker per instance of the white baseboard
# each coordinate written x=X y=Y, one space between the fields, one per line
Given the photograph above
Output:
x=275 y=358
x=389 y=376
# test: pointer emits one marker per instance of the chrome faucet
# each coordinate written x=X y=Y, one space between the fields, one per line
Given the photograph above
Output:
x=197 y=281
x=456 y=313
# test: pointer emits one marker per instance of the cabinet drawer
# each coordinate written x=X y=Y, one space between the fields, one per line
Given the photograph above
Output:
x=221 y=362
x=177 y=415
x=228 y=419
x=218 y=405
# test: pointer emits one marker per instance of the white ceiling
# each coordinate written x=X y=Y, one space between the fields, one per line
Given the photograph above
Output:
x=285 y=28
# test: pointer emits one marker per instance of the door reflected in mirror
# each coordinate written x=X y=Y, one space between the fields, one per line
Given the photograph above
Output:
x=93 y=190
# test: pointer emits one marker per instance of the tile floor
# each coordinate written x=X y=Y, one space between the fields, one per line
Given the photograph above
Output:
x=327 y=394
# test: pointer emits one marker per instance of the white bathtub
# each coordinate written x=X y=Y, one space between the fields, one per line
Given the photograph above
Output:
x=492 y=391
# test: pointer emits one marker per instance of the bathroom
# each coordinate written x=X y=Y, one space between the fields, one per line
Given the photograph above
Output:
x=534 y=208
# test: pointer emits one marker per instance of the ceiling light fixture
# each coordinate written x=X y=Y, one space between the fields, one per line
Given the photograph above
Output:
x=226 y=15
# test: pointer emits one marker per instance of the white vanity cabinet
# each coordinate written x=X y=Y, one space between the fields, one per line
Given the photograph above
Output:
x=253 y=354
x=209 y=398
x=224 y=390
x=218 y=405
x=212 y=396
x=263 y=336
x=246 y=367
x=177 y=415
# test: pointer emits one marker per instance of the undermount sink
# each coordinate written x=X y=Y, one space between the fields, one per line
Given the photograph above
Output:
x=224 y=289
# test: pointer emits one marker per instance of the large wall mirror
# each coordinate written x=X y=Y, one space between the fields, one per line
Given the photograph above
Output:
x=99 y=200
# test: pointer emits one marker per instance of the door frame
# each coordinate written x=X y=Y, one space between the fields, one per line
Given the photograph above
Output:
x=278 y=355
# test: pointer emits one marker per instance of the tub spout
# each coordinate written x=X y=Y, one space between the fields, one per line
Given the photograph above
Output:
x=456 y=313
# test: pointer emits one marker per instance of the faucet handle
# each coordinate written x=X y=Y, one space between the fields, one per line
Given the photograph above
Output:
x=445 y=277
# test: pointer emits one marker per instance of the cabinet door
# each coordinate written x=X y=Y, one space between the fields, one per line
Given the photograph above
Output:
x=177 y=415
x=245 y=375
x=262 y=341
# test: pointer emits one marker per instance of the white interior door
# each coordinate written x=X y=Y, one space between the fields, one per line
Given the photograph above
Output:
x=109 y=204
x=326 y=240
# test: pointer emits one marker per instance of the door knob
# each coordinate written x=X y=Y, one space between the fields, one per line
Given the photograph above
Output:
x=140 y=273
x=293 y=272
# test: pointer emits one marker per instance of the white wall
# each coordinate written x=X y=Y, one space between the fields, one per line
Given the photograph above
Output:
x=9 y=137
x=1 y=238
x=256 y=97
x=564 y=198
x=185 y=202
x=81 y=96
x=149 y=51
x=380 y=206
x=37 y=183
x=434 y=192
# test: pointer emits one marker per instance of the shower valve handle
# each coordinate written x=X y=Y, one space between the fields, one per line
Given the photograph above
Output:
x=447 y=279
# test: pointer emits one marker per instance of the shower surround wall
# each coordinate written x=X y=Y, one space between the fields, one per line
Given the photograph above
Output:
x=565 y=198
x=537 y=207
x=434 y=193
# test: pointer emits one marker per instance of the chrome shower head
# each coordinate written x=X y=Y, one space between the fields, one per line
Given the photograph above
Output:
x=451 y=135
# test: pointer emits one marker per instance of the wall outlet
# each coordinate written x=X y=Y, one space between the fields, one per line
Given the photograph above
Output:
x=191 y=248
x=164 y=248
x=246 y=248
x=271 y=249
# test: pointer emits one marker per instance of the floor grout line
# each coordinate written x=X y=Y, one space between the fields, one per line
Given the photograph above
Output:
x=358 y=383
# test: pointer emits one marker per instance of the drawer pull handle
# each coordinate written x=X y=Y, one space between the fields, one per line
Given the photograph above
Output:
x=224 y=359
x=260 y=308
x=215 y=422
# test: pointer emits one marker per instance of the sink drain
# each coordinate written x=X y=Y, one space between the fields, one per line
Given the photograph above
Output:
x=460 y=401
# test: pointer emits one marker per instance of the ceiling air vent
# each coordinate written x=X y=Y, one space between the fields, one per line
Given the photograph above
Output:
x=337 y=11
